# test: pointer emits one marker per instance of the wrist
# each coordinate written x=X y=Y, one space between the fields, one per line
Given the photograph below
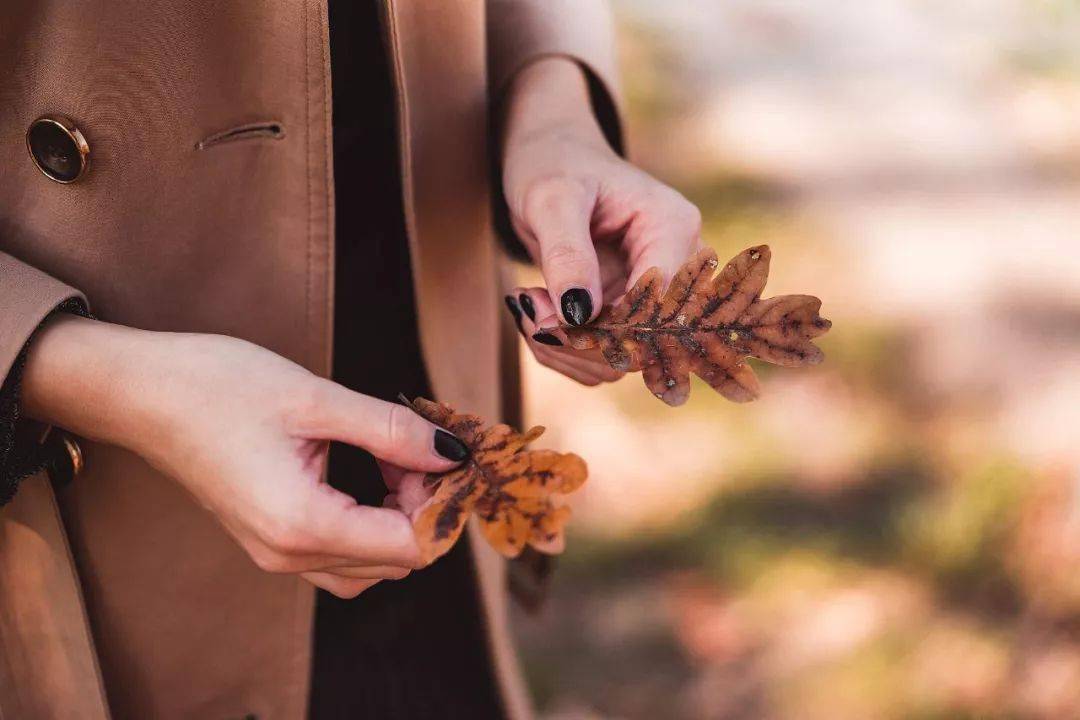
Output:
x=95 y=379
x=549 y=96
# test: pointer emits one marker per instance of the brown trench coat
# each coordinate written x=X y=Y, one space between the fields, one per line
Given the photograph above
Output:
x=119 y=595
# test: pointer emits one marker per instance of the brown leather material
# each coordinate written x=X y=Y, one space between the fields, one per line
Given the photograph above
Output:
x=167 y=231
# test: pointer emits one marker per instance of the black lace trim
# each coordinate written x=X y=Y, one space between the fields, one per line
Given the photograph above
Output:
x=20 y=450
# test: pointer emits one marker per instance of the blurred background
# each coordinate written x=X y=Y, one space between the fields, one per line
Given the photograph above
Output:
x=894 y=533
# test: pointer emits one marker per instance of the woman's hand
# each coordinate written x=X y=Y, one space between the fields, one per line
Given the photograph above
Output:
x=246 y=432
x=593 y=222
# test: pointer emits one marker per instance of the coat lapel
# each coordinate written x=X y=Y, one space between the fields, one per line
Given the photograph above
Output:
x=48 y=666
x=438 y=58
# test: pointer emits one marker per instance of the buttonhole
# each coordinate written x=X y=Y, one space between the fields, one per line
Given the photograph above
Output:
x=272 y=130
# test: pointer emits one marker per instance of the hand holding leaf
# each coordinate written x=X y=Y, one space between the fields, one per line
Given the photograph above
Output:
x=515 y=493
x=707 y=326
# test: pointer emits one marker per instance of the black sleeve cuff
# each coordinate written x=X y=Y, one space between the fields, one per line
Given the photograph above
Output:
x=21 y=450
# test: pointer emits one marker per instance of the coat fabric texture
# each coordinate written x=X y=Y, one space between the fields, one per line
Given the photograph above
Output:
x=208 y=207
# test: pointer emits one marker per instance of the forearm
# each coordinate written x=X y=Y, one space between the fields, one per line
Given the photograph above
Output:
x=84 y=375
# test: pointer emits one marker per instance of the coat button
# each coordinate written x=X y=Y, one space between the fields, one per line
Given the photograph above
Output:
x=58 y=149
x=66 y=458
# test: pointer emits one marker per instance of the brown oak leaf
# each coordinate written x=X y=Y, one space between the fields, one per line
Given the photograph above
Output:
x=707 y=326
x=515 y=493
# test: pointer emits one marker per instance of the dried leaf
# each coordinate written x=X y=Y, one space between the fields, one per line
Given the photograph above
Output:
x=707 y=326
x=516 y=493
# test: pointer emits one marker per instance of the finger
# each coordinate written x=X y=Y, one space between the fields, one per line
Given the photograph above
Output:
x=366 y=572
x=535 y=303
x=546 y=342
x=277 y=560
x=515 y=310
x=586 y=362
x=344 y=588
x=558 y=214
x=594 y=360
x=585 y=366
x=361 y=534
x=548 y=334
x=413 y=493
x=389 y=431
x=590 y=362
x=663 y=235
x=547 y=331
x=614 y=269
x=554 y=361
x=345 y=567
x=391 y=474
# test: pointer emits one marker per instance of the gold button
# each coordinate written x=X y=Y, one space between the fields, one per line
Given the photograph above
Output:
x=58 y=149
x=64 y=456
x=74 y=454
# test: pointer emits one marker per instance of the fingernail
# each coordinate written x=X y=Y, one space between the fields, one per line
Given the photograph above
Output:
x=576 y=306
x=450 y=447
x=527 y=306
x=515 y=311
x=546 y=338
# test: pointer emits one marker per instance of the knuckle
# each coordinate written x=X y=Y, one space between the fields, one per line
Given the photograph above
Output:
x=673 y=205
x=690 y=215
x=550 y=193
x=310 y=397
x=399 y=573
x=406 y=559
x=349 y=590
x=307 y=403
x=563 y=255
x=669 y=203
x=400 y=424
x=346 y=593
x=288 y=537
x=269 y=561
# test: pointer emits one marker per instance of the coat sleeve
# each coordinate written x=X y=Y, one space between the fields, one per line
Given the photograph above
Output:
x=521 y=31
x=27 y=297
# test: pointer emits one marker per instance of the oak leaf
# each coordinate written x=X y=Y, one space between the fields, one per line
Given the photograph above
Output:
x=707 y=326
x=515 y=493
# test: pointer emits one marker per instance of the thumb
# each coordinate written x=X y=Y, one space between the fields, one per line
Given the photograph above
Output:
x=389 y=431
x=558 y=214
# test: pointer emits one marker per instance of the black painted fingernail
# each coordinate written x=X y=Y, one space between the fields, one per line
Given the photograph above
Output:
x=527 y=306
x=515 y=311
x=450 y=447
x=546 y=338
x=576 y=306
